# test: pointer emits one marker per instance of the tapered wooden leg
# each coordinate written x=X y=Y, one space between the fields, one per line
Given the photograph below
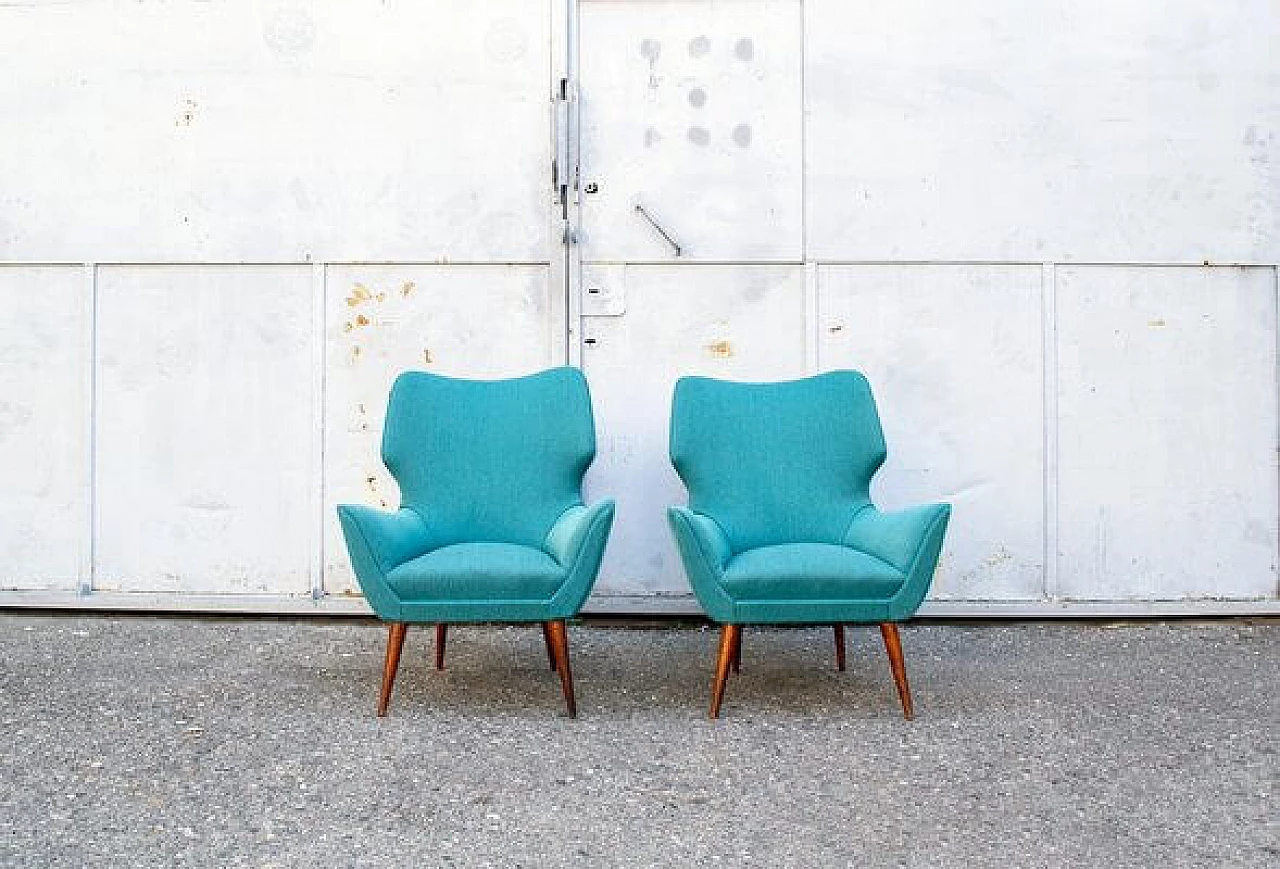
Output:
x=737 y=652
x=730 y=635
x=560 y=653
x=546 y=638
x=395 y=642
x=838 y=630
x=442 y=631
x=893 y=645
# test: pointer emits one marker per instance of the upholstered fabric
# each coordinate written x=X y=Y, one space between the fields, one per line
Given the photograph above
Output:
x=821 y=571
x=492 y=525
x=780 y=525
x=777 y=462
x=489 y=460
x=479 y=572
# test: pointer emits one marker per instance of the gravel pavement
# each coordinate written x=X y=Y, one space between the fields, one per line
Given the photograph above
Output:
x=157 y=741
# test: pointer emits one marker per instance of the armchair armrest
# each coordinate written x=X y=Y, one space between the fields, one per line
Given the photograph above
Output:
x=383 y=541
x=577 y=542
x=378 y=542
x=898 y=537
x=704 y=534
x=705 y=550
x=566 y=539
x=910 y=540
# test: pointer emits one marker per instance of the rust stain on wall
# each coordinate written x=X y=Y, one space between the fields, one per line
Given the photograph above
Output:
x=720 y=349
x=359 y=295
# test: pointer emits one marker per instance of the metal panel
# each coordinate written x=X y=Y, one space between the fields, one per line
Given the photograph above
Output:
x=44 y=427
x=1095 y=130
x=640 y=604
x=469 y=321
x=954 y=356
x=204 y=428
x=692 y=111
x=244 y=131
x=352 y=130
x=1167 y=432
x=737 y=322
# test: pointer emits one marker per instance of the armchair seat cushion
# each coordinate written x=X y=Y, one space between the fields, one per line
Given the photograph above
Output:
x=478 y=571
x=810 y=571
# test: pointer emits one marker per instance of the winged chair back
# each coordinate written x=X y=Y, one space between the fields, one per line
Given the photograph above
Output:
x=777 y=463
x=494 y=460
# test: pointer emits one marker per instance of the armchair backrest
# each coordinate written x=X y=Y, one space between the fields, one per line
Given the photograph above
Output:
x=490 y=460
x=777 y=462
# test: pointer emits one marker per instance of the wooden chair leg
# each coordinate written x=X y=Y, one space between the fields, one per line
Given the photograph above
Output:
x=441 y=632
x=560 y=651
x=893 y=645
x=395 y=642
x=838 y=630
x=737 y=651
x=546 y=639
x=730 y=635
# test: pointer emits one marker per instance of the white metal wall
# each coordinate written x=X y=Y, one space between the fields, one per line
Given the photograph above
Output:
x=224 y=227
x=1048 y=232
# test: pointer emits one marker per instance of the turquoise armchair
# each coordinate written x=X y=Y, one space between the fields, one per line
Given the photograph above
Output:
x=491 y=527
x=780 y=528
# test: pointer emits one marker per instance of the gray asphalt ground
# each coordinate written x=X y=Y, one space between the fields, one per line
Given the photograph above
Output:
x=142 y=741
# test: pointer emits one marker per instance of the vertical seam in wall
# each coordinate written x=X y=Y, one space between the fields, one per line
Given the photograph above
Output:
x=813 y=358
x=572 y=215
x=1275 y=273
x=319 y=340
x=89 y=558
x=557 y=276
x=813 y=331
x=1049 y=320
x=804 y=141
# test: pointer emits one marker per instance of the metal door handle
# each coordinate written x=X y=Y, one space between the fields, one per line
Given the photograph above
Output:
x=662 y=232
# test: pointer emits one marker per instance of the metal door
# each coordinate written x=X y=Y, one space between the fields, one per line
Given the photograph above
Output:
x=959 y=204
x=1046 y=232
x=224 y=229
x=690 y=238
